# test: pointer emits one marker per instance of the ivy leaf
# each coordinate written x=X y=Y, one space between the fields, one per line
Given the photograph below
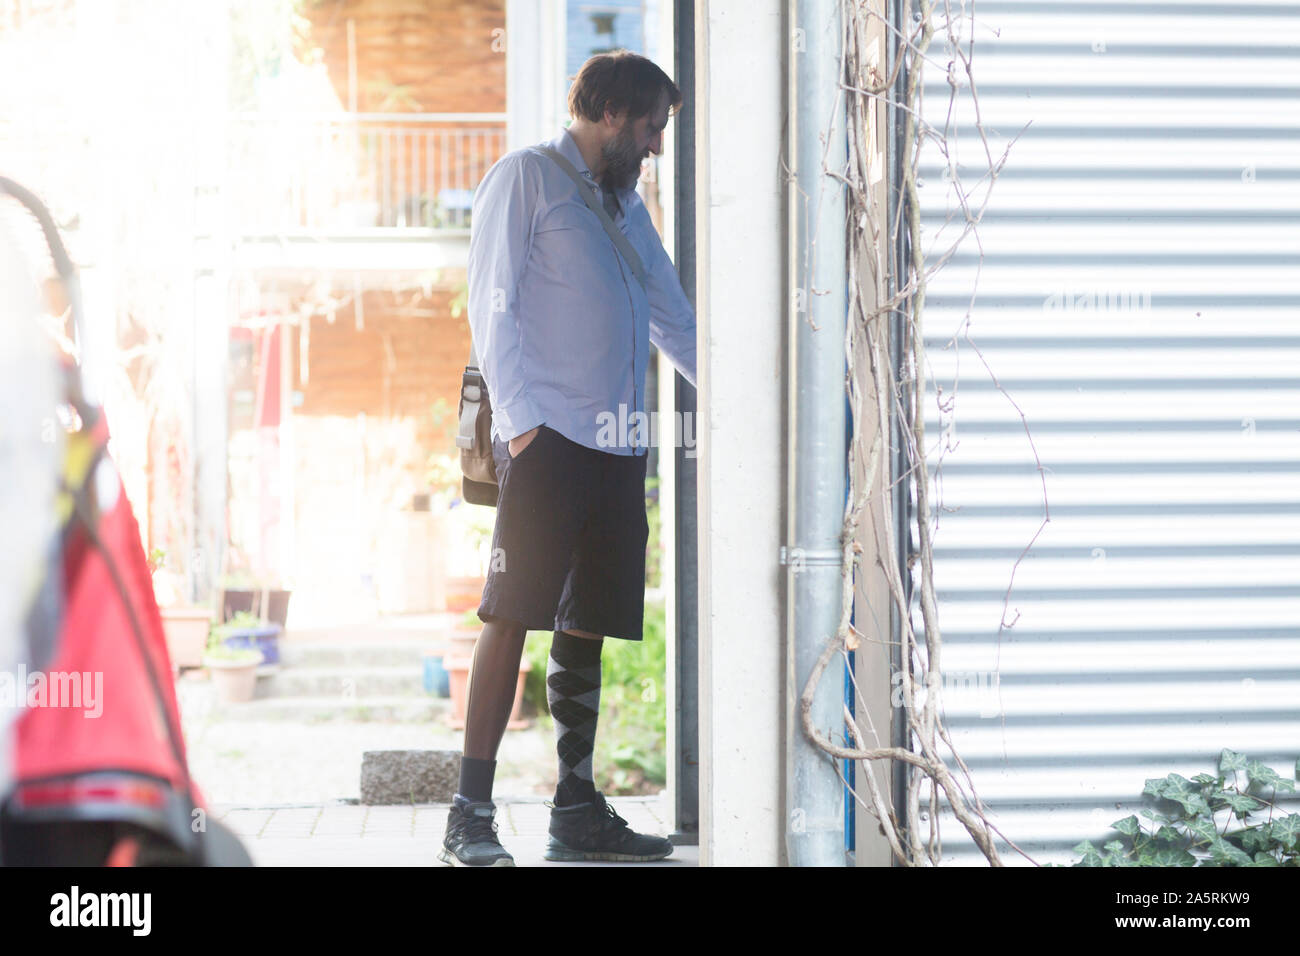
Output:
x=1154 y=786
x=1261 y=773
x=1286 y=830
x=1167 y=834
x=1242 y=803
x=1180 y=790
x=1129 y=826
x=1193 y=803
x=1264 y=859
x=1230 y=760
x=1172 y=857
x=1089 y=854
x=1203 y=827
x=1224 y=852
x=1114 y=846
x=1254 y=839
x=1206 y=779
x=1155 y=816
x=1219 y=799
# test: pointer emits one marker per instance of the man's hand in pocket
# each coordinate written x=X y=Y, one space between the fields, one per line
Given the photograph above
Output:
x=520 y=442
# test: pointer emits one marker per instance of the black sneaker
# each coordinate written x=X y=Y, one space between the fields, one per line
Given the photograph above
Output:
x=471 y=838
x=593 y=831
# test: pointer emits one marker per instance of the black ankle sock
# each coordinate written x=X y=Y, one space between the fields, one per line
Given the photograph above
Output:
x=476 y=779
x=573 y=694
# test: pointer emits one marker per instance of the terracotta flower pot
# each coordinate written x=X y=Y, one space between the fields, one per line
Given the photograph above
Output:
x=235 y=681
x=187 y=634
x=464 y=594
x=458 y=671
x=460 y=643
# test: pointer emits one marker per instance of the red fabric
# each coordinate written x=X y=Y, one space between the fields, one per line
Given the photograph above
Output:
x=96 y=637
x=268 y=371
x=124 y=853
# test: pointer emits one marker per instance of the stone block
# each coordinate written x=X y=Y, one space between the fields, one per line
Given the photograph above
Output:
x=403 y=777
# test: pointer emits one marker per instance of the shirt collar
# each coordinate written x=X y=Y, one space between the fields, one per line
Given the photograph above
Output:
x=568 y=148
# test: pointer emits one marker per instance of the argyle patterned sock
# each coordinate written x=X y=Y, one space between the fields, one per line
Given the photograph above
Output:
x=573 y=693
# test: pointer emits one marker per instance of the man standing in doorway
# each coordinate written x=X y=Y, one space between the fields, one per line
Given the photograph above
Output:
x=562 y=328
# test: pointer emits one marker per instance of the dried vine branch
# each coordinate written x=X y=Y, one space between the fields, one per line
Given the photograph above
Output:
x=866 y=343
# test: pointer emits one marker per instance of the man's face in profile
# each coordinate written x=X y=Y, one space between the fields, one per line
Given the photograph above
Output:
x=635 y=140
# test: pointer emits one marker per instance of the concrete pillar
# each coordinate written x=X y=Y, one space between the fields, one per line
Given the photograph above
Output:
x=740 y=53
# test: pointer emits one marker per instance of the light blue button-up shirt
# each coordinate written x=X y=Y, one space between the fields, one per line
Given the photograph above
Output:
x=560 y=324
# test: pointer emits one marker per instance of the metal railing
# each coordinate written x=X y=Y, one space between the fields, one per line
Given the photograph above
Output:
x=354 y=172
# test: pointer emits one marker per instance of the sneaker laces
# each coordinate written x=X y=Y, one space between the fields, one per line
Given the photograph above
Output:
x=477 y=828
x=610 y=821
x=615 y=818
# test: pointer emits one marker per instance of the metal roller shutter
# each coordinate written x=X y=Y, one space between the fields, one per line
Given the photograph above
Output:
x=1139 y=300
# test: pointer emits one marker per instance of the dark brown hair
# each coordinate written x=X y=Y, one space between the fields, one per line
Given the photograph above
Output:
x=620 y=80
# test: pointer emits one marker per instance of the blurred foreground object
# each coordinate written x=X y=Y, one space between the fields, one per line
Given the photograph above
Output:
x=97 y=773
x=31 y=449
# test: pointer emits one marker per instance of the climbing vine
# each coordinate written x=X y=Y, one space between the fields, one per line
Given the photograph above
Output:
x=882 y=285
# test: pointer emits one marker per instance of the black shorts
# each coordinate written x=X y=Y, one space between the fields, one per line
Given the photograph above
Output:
x=568 y=548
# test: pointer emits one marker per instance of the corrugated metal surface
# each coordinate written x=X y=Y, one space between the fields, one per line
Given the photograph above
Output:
x=1139 y=300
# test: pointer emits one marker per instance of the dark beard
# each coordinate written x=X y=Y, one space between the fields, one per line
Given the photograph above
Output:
x=622 y=161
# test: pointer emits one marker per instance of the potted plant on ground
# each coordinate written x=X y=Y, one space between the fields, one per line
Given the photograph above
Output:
x=233 y=670
x=185 y=626
x=469 y=539
x=187 y=634
x=458 y=662
x=244 y=631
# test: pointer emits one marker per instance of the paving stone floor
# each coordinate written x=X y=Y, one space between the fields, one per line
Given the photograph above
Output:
x=354 y=835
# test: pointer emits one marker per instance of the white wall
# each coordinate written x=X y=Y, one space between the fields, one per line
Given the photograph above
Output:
x=739 y=70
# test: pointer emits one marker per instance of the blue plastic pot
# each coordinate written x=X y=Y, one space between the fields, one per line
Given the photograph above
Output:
x=436 y=679
x=263 y=637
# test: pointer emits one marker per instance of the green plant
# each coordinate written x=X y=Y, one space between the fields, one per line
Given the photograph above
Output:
x=235 y=655
x=469 y=621
x=653 y=553
x=241 y=620
x=631 y=746
x=442 y=468
x=537 y=651
x=478 y=529
x=265 y=35
x=1185 y=827
x=630 y=753
x=460 y=301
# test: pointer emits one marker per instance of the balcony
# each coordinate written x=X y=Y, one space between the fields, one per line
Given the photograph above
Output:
x=358 y=190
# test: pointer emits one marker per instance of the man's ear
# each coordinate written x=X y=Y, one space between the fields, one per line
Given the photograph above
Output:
x=614 y=118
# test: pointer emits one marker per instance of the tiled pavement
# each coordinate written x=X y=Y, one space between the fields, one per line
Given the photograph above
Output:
x=354 y=835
